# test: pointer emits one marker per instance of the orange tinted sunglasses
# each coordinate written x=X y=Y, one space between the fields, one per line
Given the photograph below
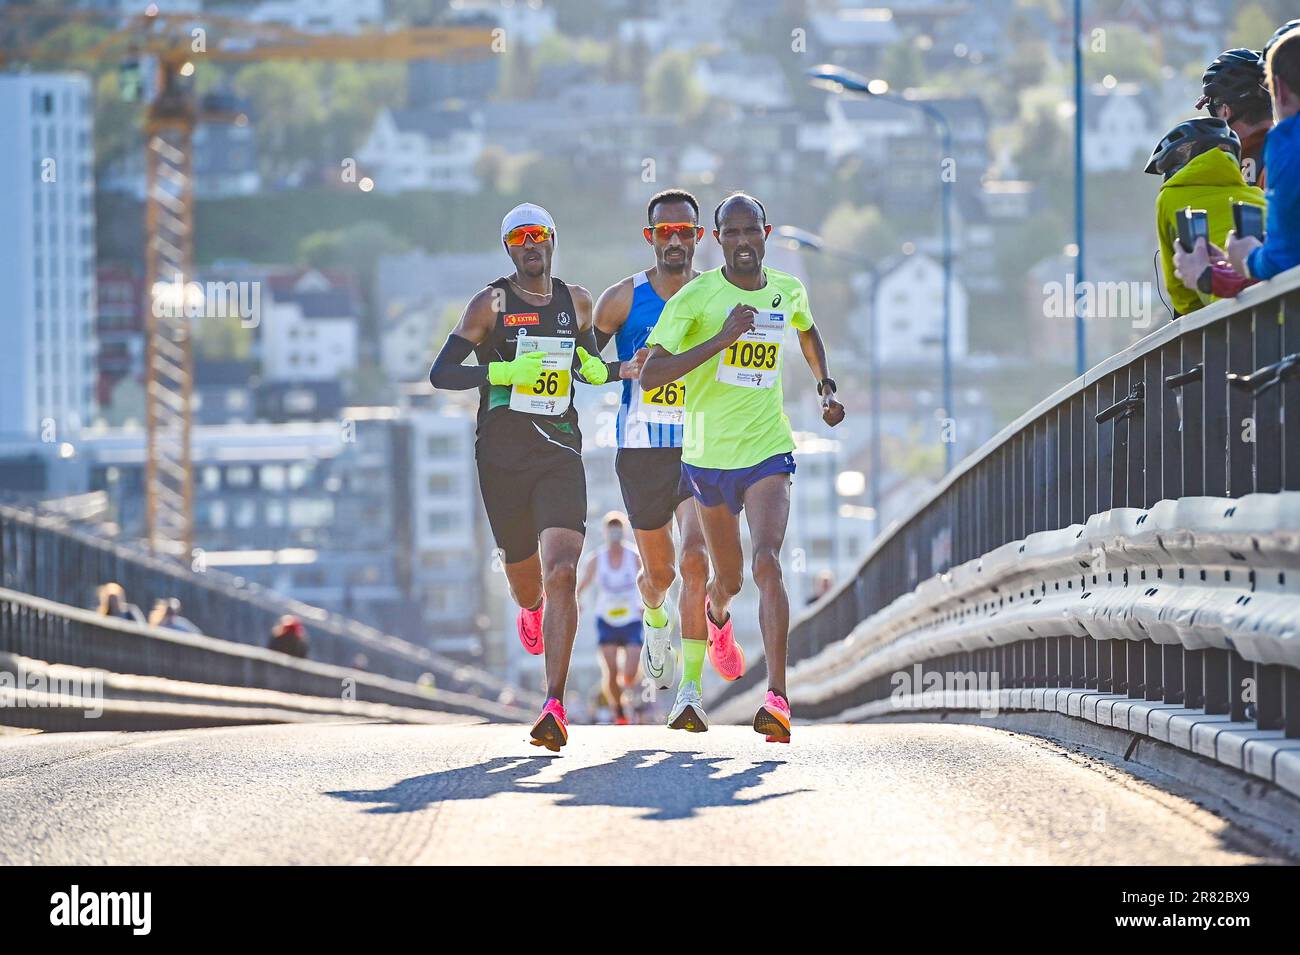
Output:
x=538 y=233
x=666 y=230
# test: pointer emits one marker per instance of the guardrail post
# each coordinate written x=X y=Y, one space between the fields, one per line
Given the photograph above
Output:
x=1291 y=702
x=1136 y=669
x=1118 y=666
x=1194 y=678
x=1216 y=686
x=1105 y=679
x=1041 y=673
x=1239 y=671
x=1173 y=672
x=1077 y=675
x=1268 y=696
x=1090 y=654
x=1153 y=663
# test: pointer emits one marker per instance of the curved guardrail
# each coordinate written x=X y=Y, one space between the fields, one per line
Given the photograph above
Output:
x=35 y=632
x=44 y=556
x=1131 y=535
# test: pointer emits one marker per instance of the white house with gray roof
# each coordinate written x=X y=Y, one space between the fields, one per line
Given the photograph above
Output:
x=433 y=150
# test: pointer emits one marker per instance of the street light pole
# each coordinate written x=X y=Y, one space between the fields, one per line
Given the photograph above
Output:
x=1080 y=341
x=837 y=79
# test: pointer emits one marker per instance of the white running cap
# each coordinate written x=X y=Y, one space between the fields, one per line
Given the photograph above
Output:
x=526 y=213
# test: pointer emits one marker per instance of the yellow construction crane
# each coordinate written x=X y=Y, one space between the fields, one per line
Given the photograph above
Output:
x=178 y=43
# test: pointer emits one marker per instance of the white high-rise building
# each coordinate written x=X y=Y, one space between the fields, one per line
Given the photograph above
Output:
x=47 y=256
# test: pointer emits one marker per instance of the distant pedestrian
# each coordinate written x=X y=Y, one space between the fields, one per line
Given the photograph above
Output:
x=821 y=586
x=289 y=637
x=167 y=613
x=113 y=603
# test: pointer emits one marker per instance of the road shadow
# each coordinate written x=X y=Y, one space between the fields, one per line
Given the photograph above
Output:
x=675 y=786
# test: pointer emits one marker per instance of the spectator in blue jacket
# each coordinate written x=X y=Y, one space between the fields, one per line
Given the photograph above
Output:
x=1280 y=249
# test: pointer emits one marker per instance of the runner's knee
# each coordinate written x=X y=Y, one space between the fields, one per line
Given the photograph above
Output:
x=694 y=566
x=660 y=578
x=729 y=584
x=561 y=576
x=767 y=567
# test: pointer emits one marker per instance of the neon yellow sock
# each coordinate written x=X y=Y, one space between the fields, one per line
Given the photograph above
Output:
x=656 y=617
x=692 y=660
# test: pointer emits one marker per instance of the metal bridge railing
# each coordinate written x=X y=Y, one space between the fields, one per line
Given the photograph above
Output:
x=44 y=556
x=40 y=630
x=1197 y=409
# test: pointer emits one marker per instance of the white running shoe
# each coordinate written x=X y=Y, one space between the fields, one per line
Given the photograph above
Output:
x=688 y=710
x=658 y=655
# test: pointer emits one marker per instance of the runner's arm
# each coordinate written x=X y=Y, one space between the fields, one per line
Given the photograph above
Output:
x=449 y=371
x=586 y=337
x=587 y=575
x=669 y=367
x=612 y=309
x=814 y=352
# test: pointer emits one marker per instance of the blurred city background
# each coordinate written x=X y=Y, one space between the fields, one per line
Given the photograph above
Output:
x=361 y=199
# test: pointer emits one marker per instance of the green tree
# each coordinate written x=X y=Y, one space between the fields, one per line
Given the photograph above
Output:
x=671 y=88
x=289 y=103
x=222 y=338
x=357 y=92
x=1252 y=26
x=1130 y=56
x=118 y=122
x=355 y=247
x=860 y=231
x=902 y=66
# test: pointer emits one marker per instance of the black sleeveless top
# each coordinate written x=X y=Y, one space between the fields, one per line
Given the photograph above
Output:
x=510 y=438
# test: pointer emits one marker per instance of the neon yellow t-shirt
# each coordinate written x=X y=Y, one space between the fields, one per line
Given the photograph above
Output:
x=735 y=415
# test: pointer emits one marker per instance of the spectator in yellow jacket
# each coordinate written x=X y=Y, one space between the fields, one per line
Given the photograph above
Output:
x=1200 y=160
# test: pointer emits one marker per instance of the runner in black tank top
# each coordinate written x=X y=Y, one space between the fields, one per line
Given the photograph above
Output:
x=511 y=438
x=532 y=335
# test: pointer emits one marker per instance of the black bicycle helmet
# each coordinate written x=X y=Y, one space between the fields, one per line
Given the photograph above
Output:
x=1205 y=132
x=1235 y=75
x=1280 y=32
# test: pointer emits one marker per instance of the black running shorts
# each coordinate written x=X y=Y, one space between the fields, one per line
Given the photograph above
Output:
x=522 y=502
x=651 y=483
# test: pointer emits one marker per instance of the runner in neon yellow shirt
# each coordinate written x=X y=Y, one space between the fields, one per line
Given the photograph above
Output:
x=724 y=336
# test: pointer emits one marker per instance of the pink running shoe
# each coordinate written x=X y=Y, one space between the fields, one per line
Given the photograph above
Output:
x=773 y=719
x=529 y=623
x=724 y=652
x=552 y=727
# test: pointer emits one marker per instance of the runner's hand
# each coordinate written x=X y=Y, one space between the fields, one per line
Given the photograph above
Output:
x=832 y=410
x=592 y=367
x=523 y=370
x=632 y=367
x=740 y=320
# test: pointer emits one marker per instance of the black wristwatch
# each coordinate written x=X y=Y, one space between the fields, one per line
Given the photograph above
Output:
x=822 y=385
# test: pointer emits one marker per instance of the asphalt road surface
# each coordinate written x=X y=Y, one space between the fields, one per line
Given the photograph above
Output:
x=375 y=793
